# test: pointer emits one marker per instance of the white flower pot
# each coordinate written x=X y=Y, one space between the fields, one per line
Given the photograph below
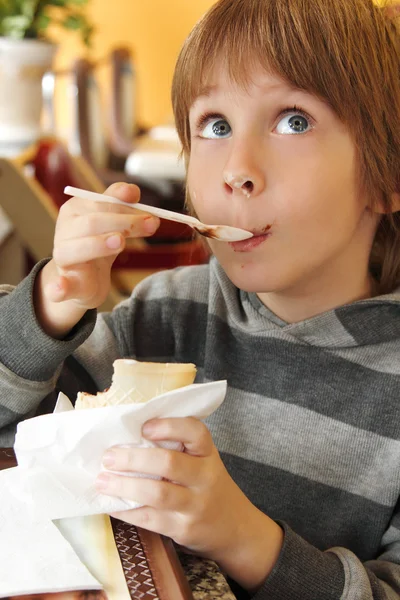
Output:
x=22 y=66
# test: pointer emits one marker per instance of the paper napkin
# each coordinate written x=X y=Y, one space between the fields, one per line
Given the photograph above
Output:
x=61 y=453
x=59 y=457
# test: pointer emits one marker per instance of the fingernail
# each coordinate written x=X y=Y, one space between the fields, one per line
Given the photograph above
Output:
x=116 y=186
x=150 y=224
x=109 y=458
x=102 y=481
x=113 y=242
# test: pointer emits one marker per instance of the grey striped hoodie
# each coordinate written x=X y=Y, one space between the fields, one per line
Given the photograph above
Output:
x=310 y=428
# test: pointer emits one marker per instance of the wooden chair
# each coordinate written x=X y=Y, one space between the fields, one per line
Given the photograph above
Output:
x=33 y=211
x=12 y=254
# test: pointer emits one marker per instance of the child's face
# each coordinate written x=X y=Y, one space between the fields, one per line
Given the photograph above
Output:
x=272 y=155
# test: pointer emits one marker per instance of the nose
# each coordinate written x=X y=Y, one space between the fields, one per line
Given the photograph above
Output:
x=244 y=183
x=243 y=171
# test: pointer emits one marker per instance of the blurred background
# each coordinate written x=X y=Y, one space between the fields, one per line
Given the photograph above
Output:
x=153 y=30
x=85 y=101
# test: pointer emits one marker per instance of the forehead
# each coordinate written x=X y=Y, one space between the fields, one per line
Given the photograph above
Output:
x=219 y=80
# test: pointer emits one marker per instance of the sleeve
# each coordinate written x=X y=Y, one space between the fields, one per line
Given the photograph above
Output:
x=30 y=360
x=151 y=325
x=145 y=326
x=303 y=571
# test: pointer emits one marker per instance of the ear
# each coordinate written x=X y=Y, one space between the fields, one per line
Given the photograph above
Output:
x=380 y=209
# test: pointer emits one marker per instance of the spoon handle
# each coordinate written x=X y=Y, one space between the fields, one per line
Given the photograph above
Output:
x=151 y=210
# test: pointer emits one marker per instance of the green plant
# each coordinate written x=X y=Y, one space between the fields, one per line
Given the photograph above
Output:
x=29 y=19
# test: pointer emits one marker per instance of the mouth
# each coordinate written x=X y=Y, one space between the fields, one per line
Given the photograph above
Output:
x=259 y=237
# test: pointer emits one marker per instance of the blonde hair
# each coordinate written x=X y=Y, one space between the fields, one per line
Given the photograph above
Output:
x=346 y=52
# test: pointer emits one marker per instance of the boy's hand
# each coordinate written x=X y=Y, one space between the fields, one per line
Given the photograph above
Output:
x=88 y=238
x=199 y=506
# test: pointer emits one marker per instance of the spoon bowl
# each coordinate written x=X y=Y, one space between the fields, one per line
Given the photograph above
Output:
x=223 y=233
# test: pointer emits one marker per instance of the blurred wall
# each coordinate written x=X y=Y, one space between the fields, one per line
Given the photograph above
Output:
x=153 y=29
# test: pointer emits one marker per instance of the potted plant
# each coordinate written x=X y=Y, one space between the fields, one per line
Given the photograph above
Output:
x=26 y=53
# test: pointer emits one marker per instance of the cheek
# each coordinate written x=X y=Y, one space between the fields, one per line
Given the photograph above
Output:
x=323 y=193
x=207 y=160
x=203 y=183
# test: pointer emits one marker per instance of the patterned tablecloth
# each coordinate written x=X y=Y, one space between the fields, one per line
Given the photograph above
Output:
x=205 y=578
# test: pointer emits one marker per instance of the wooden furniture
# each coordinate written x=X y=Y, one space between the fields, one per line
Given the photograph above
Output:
x=12 y=256
x=33 y=210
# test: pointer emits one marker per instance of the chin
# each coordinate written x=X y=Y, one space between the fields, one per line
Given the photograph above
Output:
x=251 y=278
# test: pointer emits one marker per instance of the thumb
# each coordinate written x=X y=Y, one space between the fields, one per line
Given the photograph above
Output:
x=128 y=192
x=80 y=287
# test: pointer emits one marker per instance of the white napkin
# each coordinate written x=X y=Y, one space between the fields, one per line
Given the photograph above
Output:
x=61 y=453
x=34 y=556
x=59 y=456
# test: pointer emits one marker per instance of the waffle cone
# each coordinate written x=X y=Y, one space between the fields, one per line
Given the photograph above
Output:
x=135 y=382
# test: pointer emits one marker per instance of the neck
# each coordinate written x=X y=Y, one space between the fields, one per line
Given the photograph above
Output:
x=318 y=296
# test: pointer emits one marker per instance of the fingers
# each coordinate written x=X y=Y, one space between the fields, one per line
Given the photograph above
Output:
x=70 y=287
x=169 y=464
x=88 y=238
x=128 y=192
x=147 y=492
x=80 y=250
x=87 y=230
x=193 y=434
x=99 y=223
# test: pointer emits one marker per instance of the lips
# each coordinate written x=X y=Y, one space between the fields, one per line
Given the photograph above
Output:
x=250 y=244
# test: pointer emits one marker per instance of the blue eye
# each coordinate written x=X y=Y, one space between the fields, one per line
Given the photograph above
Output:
x=293 y=123
x=216 y=129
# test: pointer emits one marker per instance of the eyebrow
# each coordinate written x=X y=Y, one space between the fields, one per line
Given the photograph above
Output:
x=206 y=90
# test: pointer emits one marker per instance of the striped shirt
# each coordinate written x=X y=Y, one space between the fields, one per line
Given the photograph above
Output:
x=309 y=429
